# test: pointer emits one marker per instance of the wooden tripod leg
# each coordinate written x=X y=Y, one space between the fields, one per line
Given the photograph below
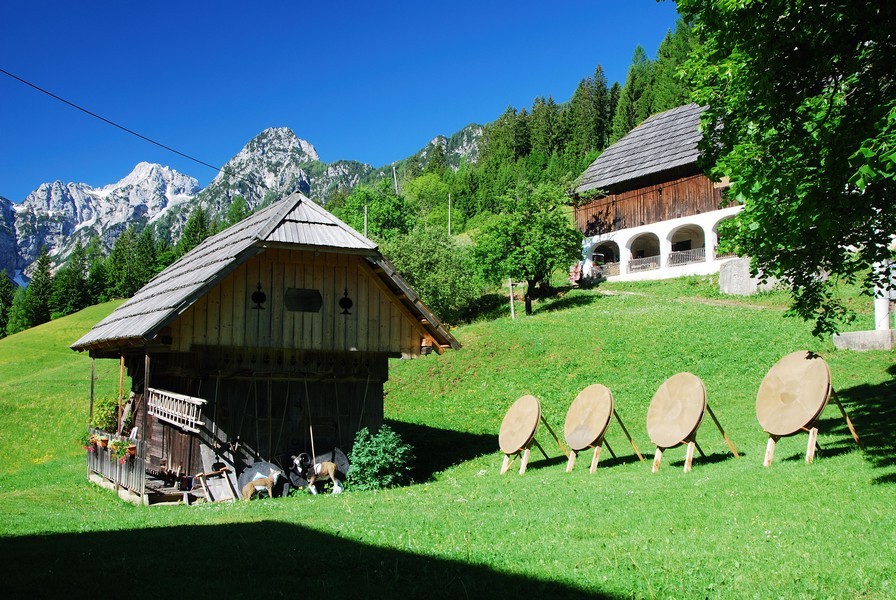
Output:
x=525 y=463
x=556 y=439
x=724 y=435
x=607 y=444
x=657 y=459
x=571 y=462
x=631 y=441
x=699 y=449
x=852 y=429
x=594 y=459
x=506 y=464
x=769 y=451
x=537 y=445
x=689 y=456
x=810 y=448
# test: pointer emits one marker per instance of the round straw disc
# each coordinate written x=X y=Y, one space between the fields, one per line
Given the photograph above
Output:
x=518 y=426
x=588 y=417
x=676 y=410
x=793 y=393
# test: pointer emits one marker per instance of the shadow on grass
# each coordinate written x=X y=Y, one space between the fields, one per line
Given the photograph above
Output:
x=438 y=449
x=246 y=560
x=709 y=459
x=872 y=410
x=566 y=301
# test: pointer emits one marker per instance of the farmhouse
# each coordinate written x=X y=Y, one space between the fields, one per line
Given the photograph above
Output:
x=649 y=212
x=280 y=326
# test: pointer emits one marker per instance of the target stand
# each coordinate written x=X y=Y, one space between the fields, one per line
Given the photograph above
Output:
x=587 y=421
x=517 y=434
x=674 y=416
x=791 y=398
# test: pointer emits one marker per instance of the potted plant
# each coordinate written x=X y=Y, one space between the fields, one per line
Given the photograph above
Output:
x=100 y=440
x=118 y=450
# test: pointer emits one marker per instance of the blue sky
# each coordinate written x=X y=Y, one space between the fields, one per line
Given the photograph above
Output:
x=359 y=81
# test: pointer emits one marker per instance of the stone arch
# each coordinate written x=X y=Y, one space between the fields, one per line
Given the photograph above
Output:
x=644 y=249
x=609 y=250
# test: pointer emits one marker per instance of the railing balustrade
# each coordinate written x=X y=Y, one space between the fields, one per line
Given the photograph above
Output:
x=129 y=472
x=686 y=257
x=648 y=263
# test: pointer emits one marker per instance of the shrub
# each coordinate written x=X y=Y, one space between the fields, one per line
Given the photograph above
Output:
x=379 y=461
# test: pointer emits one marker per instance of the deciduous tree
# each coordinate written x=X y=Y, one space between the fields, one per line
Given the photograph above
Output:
x=802 y=119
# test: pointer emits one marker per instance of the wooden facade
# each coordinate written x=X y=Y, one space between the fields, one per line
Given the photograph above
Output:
x=658 y=197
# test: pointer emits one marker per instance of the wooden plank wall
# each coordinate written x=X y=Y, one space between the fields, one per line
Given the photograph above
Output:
x=225 y=317
x=648 y=204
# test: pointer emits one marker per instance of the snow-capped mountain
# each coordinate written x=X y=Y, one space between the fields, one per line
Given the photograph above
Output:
x=56 y=215
x=270 y=166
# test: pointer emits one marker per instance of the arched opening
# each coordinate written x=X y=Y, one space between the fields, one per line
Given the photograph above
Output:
x=605 y=259
x=722 y=231
x=645 y=250
x=688 y=245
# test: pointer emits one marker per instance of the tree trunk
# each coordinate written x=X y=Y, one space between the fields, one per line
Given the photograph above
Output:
x=530 y=289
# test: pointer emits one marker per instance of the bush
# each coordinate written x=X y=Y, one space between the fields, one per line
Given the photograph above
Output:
x=379 y=461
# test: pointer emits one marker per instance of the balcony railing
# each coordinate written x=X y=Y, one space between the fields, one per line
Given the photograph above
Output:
x=686 y=257
x=647 y=263
x=178 y=409
x=129 y=473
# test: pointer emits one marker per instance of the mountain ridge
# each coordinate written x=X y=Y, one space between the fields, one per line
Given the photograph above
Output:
x=274 y=163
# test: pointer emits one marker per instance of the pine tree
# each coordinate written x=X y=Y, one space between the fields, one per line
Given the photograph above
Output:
x=7 y=294
x=70 y=290
x=237 y=211
x=635 y=98
x=38 y=294
x=670 y=89
x=195 y=232
x=544 y=129
x=436 y=162
x=98 y=281
x=18 y=317
x=121 y=270
x=145 y=256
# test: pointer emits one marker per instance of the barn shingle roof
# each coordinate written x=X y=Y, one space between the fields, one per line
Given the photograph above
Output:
x=294 y=221
x=662 y=142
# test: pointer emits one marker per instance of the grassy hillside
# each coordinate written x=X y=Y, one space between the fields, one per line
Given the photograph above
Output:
x=730 y=528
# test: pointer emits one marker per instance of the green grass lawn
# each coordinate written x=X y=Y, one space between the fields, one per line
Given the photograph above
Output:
x=730 y=528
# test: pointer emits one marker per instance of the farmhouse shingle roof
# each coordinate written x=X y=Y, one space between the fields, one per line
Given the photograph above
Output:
x=662 y=142
x=294 y=221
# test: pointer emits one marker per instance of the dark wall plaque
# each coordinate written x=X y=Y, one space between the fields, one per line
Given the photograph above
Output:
x=299 y=300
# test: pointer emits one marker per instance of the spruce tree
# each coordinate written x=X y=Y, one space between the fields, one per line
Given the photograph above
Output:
x=194 y=233
x=237 y=211
x=635 y=98
x=670 y=88
x=18 y=317
x=7 y=294
x=120 y=266
x=145 y=256
x=38 y=294
x=70 y=291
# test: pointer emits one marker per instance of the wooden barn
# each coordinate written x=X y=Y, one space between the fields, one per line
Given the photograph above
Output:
x=277 y=327
x=645 y=204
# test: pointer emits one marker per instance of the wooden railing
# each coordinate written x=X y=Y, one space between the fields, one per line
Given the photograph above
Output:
x=647 y=263
x=178 y=409
x=686 y=257
x=129 y=472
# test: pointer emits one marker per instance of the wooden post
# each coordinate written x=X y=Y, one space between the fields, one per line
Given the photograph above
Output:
x=769 y=451
x=512 y=310
x=609 y=449
x=143 y=435
x=525 y=463
x=571 y=462
x=594 y=459
x=92 y=387
x=810 y=448
x=657 y=459
x=689 y=456
x=506 y=464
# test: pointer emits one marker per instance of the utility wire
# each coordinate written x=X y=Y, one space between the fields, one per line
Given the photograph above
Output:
x=130 y=131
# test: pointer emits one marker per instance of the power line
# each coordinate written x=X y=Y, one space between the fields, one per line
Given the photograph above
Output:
x=130 y=131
